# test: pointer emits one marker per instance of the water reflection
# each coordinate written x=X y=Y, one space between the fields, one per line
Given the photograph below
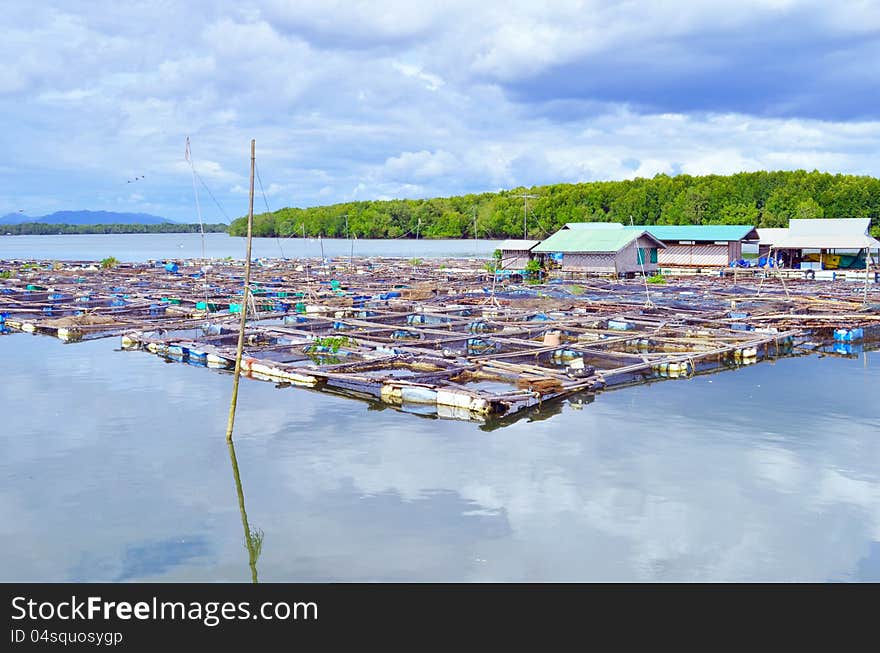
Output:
x=111 y=469
x=253 y=538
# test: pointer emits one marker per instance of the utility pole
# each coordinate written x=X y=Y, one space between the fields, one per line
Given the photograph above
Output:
x=418 y=227
x=525 y=197
x=244 y=301
x=475 y=230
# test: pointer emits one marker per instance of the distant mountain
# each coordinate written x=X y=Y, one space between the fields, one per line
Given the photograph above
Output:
x=86 y=217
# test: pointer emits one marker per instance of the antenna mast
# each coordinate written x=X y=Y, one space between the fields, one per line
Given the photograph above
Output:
x=525 y=197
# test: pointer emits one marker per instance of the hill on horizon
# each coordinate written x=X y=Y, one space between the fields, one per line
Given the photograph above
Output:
x=86 y=217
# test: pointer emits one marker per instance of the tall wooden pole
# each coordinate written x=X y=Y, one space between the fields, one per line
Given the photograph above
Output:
x=244 y=301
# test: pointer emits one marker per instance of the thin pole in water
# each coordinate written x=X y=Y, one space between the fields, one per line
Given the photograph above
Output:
x=641 y=252
x=244 y=300
x=188 y=156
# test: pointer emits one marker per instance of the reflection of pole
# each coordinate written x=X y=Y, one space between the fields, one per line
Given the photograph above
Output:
x=252 y=540
x=244 y=302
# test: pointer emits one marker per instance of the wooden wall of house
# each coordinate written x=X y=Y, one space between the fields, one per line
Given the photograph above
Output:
x=734 y=250
x=706 y=254
x=514 y=259
x=626 y=260
x=595 y=262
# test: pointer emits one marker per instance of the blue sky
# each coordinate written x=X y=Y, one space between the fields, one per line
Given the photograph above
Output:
x=383 y=99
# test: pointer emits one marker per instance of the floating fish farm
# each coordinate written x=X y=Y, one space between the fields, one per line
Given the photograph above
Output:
x=443 y=338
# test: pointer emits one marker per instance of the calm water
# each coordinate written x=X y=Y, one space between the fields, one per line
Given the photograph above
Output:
x=141 y=247
x=114 y=468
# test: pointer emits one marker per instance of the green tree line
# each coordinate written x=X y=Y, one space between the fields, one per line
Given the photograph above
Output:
x=43 y=229
x=762 y=199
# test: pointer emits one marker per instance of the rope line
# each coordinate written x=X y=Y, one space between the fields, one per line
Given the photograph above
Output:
x=205 y=186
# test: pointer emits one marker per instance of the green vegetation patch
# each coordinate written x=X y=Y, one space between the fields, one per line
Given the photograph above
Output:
x=761 y=199
x=332 y=343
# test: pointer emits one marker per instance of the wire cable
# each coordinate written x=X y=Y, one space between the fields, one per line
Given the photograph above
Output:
x=268 y=210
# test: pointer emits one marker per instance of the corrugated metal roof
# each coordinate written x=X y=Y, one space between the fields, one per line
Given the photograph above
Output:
x=772 y=235
x=517 y=245
x=600 y=239
x=828 y=233
x=595 y=225
x=793 y=241
x=830 y=227
x=703 y=232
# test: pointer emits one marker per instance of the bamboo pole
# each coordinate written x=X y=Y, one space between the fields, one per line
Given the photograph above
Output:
x=244 y=302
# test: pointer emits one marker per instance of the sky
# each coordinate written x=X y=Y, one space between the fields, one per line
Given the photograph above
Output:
x=393 y=98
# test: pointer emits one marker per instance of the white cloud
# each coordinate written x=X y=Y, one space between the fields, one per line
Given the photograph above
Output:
x=360 y=22
x=432 y=82
x=420 y=165
x=396 y=98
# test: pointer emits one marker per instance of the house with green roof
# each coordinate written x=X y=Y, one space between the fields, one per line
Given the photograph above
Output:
x=708 y=245
x=602 y=248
